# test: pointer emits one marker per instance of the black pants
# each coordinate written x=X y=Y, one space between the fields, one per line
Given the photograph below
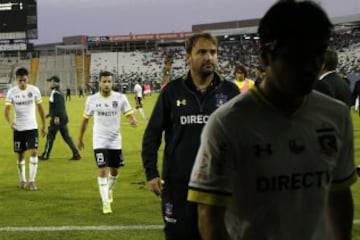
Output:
x=52 y=131
x=180 y=216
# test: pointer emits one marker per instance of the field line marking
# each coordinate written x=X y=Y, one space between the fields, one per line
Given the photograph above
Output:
x=79 y=228
x=86 y=228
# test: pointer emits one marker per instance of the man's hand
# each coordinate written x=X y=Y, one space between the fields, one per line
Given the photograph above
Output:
x=12 y=125
x=132 y=120
x=156 y=186
x=80 y=144
x=43 y=131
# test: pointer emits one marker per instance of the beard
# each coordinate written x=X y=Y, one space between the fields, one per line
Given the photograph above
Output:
x=207 y=70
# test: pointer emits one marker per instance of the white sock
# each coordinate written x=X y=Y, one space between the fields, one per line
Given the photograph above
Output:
x=112 y=181
x=142 y=113
x=22 y=170
x=103 y=189
x=33 y=166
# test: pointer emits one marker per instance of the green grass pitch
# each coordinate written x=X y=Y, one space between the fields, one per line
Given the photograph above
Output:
x=68 y=193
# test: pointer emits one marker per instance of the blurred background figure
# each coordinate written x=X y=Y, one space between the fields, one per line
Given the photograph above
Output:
x=58 y=121
x=241 y=79
x=330 y=82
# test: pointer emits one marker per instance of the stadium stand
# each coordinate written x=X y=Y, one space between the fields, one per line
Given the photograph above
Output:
x=156 y=64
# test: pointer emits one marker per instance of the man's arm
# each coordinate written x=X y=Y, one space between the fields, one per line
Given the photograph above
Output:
x=211 y=222
x=341 y=213
x=83 y=127
x=151 y=143
x=7 y=116
x=59 y=105
x=42 y=117
x=57 y=112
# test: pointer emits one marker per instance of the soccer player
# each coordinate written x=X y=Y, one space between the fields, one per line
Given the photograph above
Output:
x=24 y=98
x=68 y=94
x=181 y=111
x=58 y=122
x=277 y=162
x=106 y=106
x=138 y=89
x=241 y=79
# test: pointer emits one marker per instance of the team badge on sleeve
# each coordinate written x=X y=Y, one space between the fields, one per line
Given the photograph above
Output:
x=202 y=173
x=328 y=144
x=327 y=141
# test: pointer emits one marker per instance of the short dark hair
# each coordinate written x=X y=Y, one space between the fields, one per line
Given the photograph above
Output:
x=192 y=40
x=289 y=22
x=330 y=60
x=54 y=78
x=105 y=74
x=242 y=69
x=22 y=72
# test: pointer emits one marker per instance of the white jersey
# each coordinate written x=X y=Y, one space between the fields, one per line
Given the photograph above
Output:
x=272 y=171
x=24 y=103
x=138 y=90
x=107 y=115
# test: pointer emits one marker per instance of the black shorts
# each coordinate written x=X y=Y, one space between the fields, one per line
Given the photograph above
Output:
x=108 y=157
x=138 y=101
x=23 y=140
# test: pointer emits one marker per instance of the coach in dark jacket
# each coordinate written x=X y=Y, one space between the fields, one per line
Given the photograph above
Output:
x=180 y=113
x=58 y=121
x=330 y=82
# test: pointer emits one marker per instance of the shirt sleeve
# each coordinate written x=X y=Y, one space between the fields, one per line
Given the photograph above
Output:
x=160 y=116
x=344 y=172
x=211 y=177
x=9 y=98
x=37 y=95
x=125 y=106
x=89 y=111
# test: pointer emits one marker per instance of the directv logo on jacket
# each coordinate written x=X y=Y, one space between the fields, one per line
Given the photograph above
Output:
x=193 y=119
x=190 y=118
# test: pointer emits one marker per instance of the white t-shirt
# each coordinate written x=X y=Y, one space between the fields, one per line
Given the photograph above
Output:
x=24 y=103
x=106 y=112
x=273 y=172
x=138 y=90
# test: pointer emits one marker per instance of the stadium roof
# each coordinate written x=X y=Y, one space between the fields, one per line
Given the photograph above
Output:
x=250 y=26
x=70 y=47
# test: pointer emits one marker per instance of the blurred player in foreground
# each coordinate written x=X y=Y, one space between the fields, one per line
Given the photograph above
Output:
x=277 y=162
